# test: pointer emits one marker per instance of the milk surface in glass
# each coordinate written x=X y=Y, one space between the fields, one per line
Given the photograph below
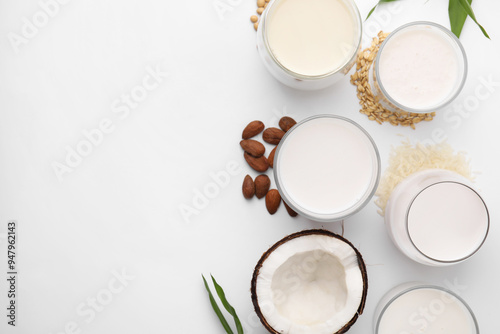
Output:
x=426 y=311
x=447 y=221
x=419 y=67
x=327 y=165
x=313 y=37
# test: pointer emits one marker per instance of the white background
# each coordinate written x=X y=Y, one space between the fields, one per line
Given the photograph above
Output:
x=118 y=210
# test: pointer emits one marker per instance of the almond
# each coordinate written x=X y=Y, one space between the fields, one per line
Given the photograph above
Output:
x=272 y=135
x=286 y=123
x=270 y=159
x=273 y=200
x=248 y=187
x=253 y=147
x=252 y=129
x=262 y=185
x=259 y=164
x=290 y=210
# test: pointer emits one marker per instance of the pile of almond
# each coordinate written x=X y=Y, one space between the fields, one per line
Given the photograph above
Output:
x=254 y=155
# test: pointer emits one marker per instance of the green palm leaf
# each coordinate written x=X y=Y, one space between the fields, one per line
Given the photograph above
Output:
x=227 y=306
x=373 y=9
x=458 y=10
x=217 y=309
x=457 y=15
x=468 y=9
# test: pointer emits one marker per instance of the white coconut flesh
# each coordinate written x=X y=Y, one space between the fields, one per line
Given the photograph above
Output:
x=310 y=284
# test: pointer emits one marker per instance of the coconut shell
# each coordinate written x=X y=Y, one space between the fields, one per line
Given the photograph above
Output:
x=264 y=257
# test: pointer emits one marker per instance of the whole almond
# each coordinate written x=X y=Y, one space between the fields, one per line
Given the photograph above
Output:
x=252 y=129
x=259 y=164
x=273 y=200
x=270 y=159
x=253 y=147
x=272 y=135
x=290 y=210
x=286 y=123
x=262 y=185
x=248 y=187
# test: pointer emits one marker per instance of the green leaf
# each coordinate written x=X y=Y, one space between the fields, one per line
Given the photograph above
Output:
x=373 y=9
x=217 y=309
x=227 y=306
x=468 y=9
x=458 y=15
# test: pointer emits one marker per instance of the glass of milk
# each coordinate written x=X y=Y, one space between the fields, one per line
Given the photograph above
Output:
x=326 y=168
x=437 y=218
x=309 y=44
x=420 y=308
x=421 y=67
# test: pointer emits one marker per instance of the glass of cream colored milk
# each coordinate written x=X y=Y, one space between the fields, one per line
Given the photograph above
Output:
x=326 y=168
x=309 y=44
x=421 y=67
x=437 y=218
x=419 y=308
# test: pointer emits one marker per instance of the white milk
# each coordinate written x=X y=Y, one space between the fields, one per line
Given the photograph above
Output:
x=448 y=221
x=426 y=311
x=435 y=217
x=419 y=67
x=327 y=165
x=312 y=37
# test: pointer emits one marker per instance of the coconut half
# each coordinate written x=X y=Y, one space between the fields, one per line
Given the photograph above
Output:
x=310 y=282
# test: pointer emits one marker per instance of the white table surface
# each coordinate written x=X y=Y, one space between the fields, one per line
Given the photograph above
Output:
x=118 y=210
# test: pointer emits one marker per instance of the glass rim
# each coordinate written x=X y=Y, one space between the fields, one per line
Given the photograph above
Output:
x=449 y=99
x=330 y=217
x=419 y=286
x=359 y=25
x=464 y=257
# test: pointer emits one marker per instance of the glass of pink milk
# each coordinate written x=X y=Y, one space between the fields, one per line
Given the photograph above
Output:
x=420 y=67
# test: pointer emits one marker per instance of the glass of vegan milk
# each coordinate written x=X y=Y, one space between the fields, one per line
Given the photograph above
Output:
x=435 y=217
x=419 y=308
x=309 y=44
x=326 y=168
x=420 y=67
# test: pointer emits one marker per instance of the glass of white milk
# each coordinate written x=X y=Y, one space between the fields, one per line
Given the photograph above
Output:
x=326 y=168
x=420 y=308
x=309 y=44
x=421 y=67
x=437 y=218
